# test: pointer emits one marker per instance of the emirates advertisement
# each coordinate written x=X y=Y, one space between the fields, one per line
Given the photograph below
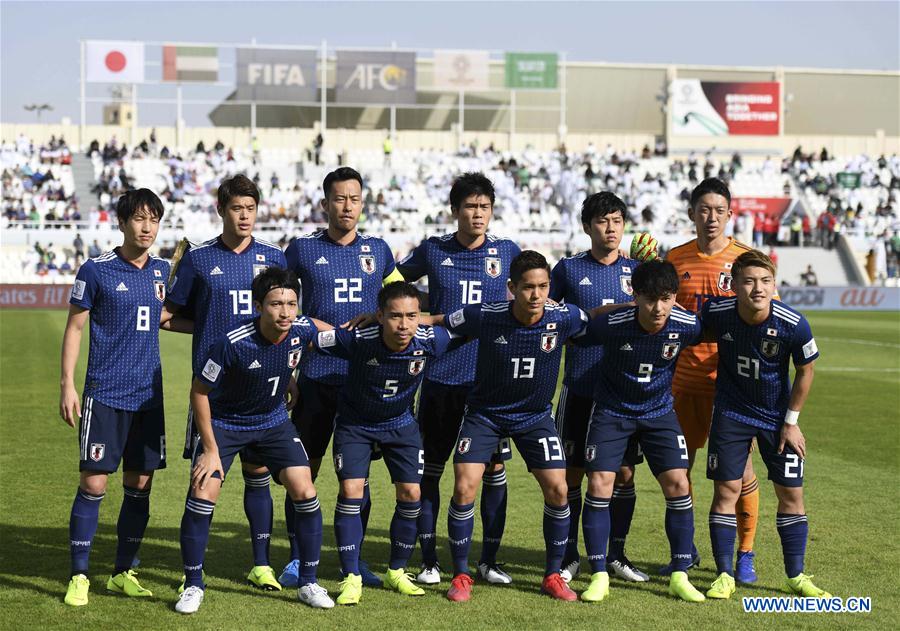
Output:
x=716 y=108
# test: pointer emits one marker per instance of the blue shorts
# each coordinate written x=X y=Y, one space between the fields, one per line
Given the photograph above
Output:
x=729 y=448
x=479 y=439
x=660 y=440
x=108 y=436
x=440 y=413
x=401 y=448
x=573 y=414
x=276 y=447
x=192 y=437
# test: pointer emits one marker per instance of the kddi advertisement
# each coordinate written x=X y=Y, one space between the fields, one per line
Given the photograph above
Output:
x=273 y=74
x=841 y=298
x=375 y=77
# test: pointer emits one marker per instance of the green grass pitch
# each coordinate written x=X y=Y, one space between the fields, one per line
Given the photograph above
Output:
x=851 y=424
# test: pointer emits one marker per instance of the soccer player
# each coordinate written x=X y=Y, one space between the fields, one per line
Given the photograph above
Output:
x=633 y=397
x=466 y=267
x=704 y=269
x=238 y=402
x=341 y=273
x=757 y=339
x=212 y=281
x=596 y=277
x=121 y=416
x=386 y=365
x=520 y=345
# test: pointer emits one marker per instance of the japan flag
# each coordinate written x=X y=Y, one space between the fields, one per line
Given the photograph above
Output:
x=114 y=62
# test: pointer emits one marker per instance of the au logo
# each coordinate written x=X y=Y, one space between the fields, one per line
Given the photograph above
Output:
x=670 y=349
x=367 y=263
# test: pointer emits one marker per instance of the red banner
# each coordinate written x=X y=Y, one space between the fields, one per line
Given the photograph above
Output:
x=772 y=206
x=725 y=108
x=34 y=296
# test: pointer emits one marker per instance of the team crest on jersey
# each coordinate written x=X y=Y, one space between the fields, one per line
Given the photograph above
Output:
x=98 y=450
x=492 y=266
x=712 y=461
x=464 y=445
x=548 y=342
x=769 y=348
x=724 y=281
x=570 y=448
x=160 y=288
x=590 y=452
x=670 y=349
x=338 y=462
x=367 y=263
x=416 y=366
x=259 y=269
x=294 y=358
x=625 y=283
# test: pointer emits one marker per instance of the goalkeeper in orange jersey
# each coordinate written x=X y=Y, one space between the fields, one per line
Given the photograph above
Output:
x=704 y=271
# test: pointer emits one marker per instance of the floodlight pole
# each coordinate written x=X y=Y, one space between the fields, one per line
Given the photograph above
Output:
x=323 y=79
x=253 y=104
x=562 y=98
x=178 y=116
x=133 y=114
x=462 y=114
x=83 y=103
x=512 y=118
x=393 y=130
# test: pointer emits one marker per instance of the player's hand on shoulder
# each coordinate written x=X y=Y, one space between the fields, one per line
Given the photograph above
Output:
x=207 y=464
x=792 y=437
x=363 y=319
x=644 y=247
x=69 y=405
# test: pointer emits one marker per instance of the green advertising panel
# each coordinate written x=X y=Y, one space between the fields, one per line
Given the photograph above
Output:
x=535 y=71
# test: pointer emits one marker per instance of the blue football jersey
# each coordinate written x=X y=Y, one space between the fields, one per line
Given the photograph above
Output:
x=518 y=365
x=124 y=371
x=458 y=277
x=635 y=379
x=381 y=383
x=753 y=384
x=338 y=282
x=249 y=375
x=215 y=282
x=582 y=280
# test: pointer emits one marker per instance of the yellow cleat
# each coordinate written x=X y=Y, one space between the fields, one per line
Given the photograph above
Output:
x=598 y=589
x=127 y=583
x=722 y=587
x=680 y=587
x=351 y=590
x=77 y=592
x=263 y=577
x=802 y=585
x=401 y=582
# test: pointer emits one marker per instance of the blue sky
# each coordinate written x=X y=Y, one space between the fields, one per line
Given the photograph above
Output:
x=39 y=40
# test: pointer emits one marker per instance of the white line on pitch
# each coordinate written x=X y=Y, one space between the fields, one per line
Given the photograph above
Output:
x=855 y=341
x=853 y=369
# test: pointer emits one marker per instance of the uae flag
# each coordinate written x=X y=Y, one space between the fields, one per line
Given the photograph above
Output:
x=190 y=63
x=114 y=62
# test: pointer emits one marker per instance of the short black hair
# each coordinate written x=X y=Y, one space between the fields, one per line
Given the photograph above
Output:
x=341 y=174
x=238 y=186
x=397 y=289
x=468 y=184
x=655 y=279
x=710 y=185
x=274 y=278
x=600 y=205
x=139 y=199
x=527 y=260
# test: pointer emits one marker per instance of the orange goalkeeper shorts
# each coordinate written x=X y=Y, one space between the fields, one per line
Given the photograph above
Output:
x=695 y=416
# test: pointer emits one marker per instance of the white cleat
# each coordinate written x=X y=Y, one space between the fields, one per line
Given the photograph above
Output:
x=190 y=600
x=625 y=569
x=315 y=596
x=430 y=575
x=570 y=571
x=494 y=574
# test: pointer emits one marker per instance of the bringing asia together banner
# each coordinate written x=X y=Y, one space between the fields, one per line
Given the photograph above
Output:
x=714 y=108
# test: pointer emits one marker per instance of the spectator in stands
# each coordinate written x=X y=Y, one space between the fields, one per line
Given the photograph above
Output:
x=78 y=248
x=809 y=277
x=94 y=250
x=388 y=148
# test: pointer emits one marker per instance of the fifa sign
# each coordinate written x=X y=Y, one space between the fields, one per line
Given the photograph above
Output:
x=276 y=74
x=376 y=77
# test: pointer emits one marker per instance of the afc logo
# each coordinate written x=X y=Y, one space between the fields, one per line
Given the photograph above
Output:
x=464 y=445
x=372 y=76
x=367 y=263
